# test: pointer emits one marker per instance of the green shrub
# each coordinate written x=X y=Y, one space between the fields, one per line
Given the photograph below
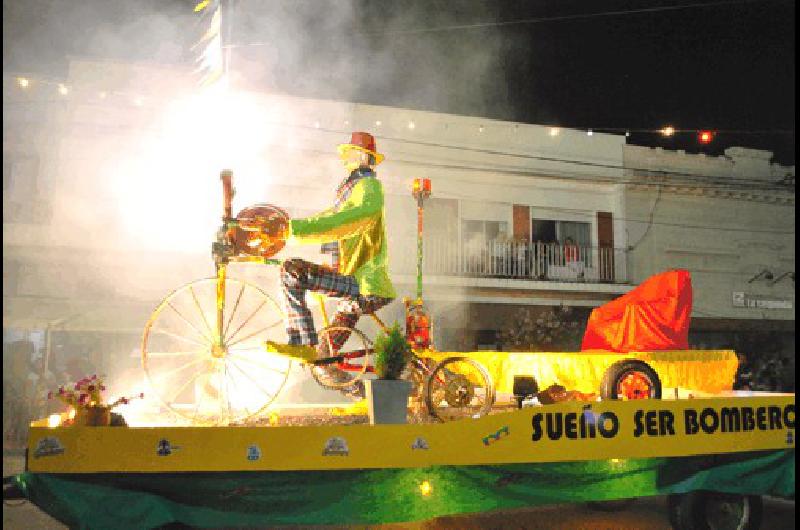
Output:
x=392 y=353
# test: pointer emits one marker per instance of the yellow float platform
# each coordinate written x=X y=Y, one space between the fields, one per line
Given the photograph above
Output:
x=562 y=432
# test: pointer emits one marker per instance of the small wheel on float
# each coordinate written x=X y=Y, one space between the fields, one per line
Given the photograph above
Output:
x=704 y=510
x=354 y=346
x=457 y=388
x=206 y=380
x=630 y=379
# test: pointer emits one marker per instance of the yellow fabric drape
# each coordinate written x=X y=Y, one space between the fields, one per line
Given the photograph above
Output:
x=709 y=371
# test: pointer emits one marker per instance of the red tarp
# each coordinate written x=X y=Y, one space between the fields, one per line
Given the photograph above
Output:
x=654 y=316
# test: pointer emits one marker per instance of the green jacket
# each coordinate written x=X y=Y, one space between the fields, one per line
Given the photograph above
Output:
x=359 y=227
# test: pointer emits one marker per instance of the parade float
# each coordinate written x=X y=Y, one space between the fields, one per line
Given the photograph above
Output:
x=635 y=413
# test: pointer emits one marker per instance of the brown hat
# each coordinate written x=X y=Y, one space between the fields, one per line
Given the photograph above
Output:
x=361 y=141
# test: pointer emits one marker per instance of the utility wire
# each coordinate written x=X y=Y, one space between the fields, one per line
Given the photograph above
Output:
x=592 y=215
x=764 y=183
x=527 y=21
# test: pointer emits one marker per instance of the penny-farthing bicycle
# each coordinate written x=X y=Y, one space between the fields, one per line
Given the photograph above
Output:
x=203 y=348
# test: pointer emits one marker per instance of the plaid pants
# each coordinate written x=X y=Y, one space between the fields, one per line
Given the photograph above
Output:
x=299 y=320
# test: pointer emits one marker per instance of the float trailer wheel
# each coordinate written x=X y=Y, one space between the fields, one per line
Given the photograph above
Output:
x=630 y=379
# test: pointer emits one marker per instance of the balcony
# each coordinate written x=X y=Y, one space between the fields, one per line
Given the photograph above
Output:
x=515 y=260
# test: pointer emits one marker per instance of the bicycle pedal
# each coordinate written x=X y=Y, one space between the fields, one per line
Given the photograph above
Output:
x=299 y=352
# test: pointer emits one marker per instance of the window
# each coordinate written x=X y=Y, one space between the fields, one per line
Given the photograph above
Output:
x=22 y=200
x=483 y=231
x=547 y=231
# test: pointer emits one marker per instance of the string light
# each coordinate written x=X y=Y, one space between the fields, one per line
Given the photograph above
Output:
x=702 y=136
x=705 y=137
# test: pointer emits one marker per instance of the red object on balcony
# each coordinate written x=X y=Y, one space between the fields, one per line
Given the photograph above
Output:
x=654 y=316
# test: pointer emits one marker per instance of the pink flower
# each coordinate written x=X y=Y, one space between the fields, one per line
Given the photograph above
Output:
x=102 y=387
x=77 y=386
x=141 y=395
x=94 y=377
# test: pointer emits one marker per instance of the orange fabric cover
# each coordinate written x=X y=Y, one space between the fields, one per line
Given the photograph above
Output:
x=654 y=316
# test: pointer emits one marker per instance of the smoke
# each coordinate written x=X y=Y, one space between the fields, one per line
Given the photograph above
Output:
x=131 y=181
x=369 y=53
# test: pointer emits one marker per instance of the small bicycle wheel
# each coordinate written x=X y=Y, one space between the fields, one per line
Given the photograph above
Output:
x=630 y=379
x=356 y=349
x=206 y=380
x=457 y=388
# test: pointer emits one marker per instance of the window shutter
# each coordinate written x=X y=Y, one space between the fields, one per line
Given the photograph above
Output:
x=605 y=240
x=522 y=222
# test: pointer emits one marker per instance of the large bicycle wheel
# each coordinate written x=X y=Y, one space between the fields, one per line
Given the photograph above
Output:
x=458 y=388
x=206 y=380
x=356 y=349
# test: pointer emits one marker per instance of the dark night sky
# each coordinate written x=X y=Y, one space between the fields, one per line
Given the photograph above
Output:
x=723 y=67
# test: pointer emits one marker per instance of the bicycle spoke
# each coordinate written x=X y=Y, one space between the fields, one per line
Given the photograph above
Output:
x=265 y=328
x=243 y=324
x=255 y=363
x=203 y=394
x=183 y=387
x=331 y=353
x=172 y=354
x=233 y=311
x=251 y=379
x=228 y=393
x=190 y=323
x=164 y=375
x=200 y=310
x=179 y=337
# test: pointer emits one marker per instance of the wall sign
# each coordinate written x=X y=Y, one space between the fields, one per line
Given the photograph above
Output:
x=741 y=299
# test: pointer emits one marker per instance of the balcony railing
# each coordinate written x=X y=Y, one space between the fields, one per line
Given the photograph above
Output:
x=520 y=260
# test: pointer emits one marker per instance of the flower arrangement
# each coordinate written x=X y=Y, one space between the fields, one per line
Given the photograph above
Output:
x=86 y=397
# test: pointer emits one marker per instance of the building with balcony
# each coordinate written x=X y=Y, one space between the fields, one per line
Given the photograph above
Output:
x=527 y=226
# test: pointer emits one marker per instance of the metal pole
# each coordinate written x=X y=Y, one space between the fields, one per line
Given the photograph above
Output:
x=419 y=247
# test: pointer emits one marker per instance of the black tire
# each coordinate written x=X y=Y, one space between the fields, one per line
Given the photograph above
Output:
x=611 y=506
x=363 y=344
x=617 y=371
x=706 y=510
x=441 y=368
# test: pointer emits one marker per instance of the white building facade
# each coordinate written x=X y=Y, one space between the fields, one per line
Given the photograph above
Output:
x=522 y=217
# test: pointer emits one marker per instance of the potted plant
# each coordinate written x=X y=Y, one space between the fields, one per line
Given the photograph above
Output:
x=86 y=400
x=387 y=396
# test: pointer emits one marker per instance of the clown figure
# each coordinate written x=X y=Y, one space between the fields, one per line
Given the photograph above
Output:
x=353 y=232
